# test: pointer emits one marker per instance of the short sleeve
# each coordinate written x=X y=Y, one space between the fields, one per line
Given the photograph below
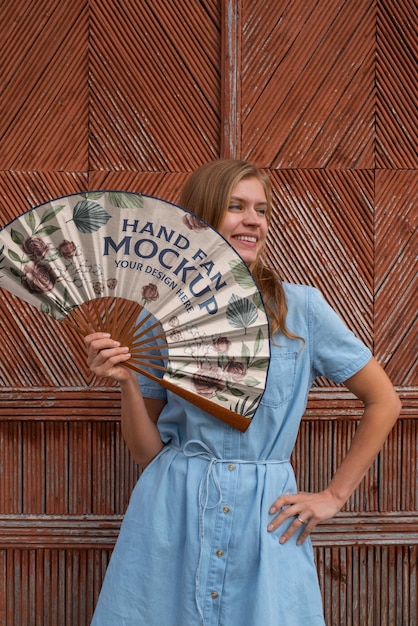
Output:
x=337 y=353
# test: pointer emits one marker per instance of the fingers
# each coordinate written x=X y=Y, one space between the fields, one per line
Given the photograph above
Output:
x=93 y=337
x=298 y=525
x=293 y=507
x=104 y=355
x=305 y=511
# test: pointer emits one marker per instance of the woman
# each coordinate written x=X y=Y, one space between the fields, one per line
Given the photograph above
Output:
x=216 y=532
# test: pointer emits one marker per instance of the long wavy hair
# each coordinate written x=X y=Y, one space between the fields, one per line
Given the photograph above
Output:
x=207 y=194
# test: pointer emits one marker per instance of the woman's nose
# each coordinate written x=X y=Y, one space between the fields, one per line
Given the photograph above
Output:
x=252 y=216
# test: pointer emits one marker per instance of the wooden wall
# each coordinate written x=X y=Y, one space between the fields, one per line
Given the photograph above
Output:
x=134 y=94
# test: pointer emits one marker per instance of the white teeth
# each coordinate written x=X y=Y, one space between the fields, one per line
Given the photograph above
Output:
x=249 y=239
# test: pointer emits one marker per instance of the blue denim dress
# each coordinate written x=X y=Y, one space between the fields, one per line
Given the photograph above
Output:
x=194 y=549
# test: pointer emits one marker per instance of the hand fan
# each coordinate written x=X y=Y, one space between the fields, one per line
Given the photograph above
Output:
x=131 y=264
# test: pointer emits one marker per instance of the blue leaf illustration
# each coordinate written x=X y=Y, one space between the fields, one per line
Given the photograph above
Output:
x=241 y=312
x=89 y=216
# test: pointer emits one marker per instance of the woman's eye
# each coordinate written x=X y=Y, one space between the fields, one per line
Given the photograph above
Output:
x=234 y=207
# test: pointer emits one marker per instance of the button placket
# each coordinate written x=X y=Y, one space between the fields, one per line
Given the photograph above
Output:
x=220 y=541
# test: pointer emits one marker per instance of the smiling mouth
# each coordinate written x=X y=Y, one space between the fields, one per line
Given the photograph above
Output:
x=246 y=238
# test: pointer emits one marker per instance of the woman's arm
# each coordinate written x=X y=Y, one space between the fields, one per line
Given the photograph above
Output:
x=138 y=415
x=381 y=409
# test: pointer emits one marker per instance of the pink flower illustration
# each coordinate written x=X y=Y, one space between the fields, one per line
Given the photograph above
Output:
x=98 y=288
x=208 y=381
x=193 y=222
x=112 y=283
x=67 y=249
x=38 y=278
x=221 y=344
x=35 y=248
x=150 y=292
x=235 y=369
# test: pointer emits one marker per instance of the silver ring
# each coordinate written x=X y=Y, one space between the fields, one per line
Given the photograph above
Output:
x=301 y=520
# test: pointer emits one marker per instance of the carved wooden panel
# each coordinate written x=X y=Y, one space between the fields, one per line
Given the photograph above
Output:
x=134 y=95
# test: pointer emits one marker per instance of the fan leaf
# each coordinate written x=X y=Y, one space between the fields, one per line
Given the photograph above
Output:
x=17 y=237
x=92 y=195
x=248 y=410
x=30 y=220
x=14 y=257
x=258 y=346
x=89 y=216
x=241 y=312
x=47 y=230
x=16 y=272
x=241 y=274
x=261 y=364
x=125 y=200
x=250 y=381
x=258 y=301
x=51 y=213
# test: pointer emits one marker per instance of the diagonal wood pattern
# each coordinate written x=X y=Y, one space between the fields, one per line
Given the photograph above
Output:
x=396 y=274
x=162 y=110
x=134 y=94
x=396 y=76
x=322 y=234
x=314 y=74
x=43 y=86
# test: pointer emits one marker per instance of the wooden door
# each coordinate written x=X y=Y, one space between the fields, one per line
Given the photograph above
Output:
x=134 y=95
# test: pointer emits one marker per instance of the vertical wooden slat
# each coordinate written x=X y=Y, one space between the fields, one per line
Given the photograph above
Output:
x=231 y=105
x=33 y=468
x=103 y=472
x=324 y=90
x=11 y=496
x=56 y=467
x=80 y=475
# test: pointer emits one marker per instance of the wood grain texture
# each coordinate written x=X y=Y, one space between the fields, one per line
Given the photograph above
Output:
x=99 y=94
x=44 y=85
x=154 y=80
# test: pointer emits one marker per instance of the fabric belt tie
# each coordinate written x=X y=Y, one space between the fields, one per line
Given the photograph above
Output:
x=204 y=452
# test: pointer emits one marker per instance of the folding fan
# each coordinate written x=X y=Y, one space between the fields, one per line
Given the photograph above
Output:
x=135 y=265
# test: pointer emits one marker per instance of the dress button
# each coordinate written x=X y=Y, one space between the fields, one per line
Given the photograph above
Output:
x=219 y=552
x=213 y=595
x=231 y=467
x=226 y=509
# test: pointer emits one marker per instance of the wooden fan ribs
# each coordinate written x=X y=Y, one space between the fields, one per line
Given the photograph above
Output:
x=119 y=318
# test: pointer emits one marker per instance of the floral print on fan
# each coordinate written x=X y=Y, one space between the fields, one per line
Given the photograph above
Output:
x=40 y=266
x=192 y=222
x=149 y=293
x=97 y=244
x=228 y=375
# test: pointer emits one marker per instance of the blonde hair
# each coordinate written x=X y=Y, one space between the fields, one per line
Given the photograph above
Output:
x=207 y=194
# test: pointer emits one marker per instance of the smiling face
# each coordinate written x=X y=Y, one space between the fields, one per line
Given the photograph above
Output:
x=244 y=224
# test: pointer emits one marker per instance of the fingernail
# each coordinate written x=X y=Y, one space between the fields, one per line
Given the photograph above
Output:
x=272 y=510
x=270 y=527
x=282 y=540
